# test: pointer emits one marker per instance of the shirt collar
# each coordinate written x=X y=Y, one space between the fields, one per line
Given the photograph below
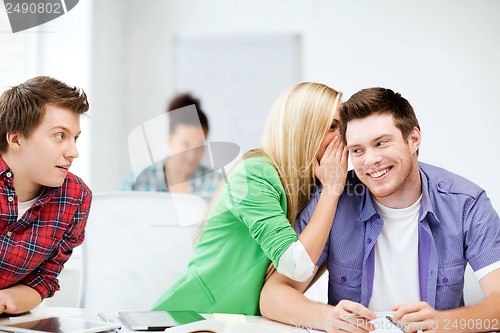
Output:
x=368 y=210
x=426 y=205
x=3 y=166
x=46 y=193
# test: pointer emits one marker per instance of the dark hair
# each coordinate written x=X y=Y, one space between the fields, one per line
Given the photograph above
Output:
x=371 y=101
x=186 y=118
x=22 y=107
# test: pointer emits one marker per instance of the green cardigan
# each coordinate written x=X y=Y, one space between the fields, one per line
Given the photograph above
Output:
x=246 y=229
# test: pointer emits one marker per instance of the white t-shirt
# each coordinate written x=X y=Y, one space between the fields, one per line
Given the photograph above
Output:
x=22 y=207
x=480 y=273
x=396 y=279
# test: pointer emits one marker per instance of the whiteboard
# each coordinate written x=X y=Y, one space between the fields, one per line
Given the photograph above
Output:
x=237 y=78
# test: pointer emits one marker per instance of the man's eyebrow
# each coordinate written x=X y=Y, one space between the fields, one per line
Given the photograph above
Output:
x=373 y=141
x=64 y=129
x=382 y=137
x=353 y=146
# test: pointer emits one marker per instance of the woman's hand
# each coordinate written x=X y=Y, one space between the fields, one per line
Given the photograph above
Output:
x=331 y=170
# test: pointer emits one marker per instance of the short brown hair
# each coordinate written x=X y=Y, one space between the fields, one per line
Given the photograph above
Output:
x=371 y=101
x=22 y=107
x=186 y=118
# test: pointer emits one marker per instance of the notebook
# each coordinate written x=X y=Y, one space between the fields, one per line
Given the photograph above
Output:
x=157 y=320
x=217 y=326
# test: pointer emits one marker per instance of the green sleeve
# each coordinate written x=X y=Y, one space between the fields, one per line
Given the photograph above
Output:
x=258 y=200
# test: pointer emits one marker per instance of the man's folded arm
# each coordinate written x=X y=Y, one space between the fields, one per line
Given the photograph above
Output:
x=484 y=312
x=18 y=299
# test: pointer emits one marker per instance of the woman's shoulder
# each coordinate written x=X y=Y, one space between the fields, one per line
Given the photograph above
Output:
x=257 y=161
x=256 y=164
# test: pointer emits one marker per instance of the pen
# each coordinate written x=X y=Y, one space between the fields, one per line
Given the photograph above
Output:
x=106 y=319
x=389 y=318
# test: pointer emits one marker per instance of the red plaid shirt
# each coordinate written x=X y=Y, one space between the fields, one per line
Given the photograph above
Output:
x=34 y=249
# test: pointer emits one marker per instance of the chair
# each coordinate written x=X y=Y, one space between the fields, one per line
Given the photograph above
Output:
x=136 y=245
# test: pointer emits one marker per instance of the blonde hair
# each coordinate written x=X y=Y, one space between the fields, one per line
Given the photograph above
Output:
x=294 y=131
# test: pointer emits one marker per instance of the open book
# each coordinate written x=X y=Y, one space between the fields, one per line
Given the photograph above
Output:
x=382 y=325
x=217 y=326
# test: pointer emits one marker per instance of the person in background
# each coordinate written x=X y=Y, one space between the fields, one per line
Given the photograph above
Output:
x=249 y=228
x=181 y=172
x=402 y=236
x=43 y=207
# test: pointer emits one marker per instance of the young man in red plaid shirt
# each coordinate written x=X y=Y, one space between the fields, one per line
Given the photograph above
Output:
x=43 y=207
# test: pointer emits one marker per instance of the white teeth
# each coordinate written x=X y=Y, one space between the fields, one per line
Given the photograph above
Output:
x=380 y=173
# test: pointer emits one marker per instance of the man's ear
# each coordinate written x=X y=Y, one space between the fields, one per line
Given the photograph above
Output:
x=414 y=139
x=14 y=140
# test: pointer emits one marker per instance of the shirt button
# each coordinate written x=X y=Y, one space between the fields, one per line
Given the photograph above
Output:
x=369 y=240
x=445 y=280
x=377 y=216
x=440 y=185
x=9 y=234
x=343 y=279
x=8 y=174
x=10 y=199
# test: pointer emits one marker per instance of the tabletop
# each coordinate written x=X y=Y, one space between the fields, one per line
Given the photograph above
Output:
x=255 y=323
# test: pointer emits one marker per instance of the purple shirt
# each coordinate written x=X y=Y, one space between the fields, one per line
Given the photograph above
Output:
x=457 y=224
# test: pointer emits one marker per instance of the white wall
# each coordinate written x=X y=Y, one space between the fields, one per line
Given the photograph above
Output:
x=441 y=55
x=59 y=48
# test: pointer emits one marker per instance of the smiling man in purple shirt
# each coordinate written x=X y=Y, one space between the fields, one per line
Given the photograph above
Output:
x=402 y=236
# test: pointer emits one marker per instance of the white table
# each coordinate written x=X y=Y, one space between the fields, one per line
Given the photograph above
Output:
x=89 y=314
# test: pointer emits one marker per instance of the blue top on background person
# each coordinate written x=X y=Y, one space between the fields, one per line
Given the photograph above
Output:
x=181 y=171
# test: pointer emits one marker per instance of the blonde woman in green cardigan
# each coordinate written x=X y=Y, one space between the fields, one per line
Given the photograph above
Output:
x=250 y=226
